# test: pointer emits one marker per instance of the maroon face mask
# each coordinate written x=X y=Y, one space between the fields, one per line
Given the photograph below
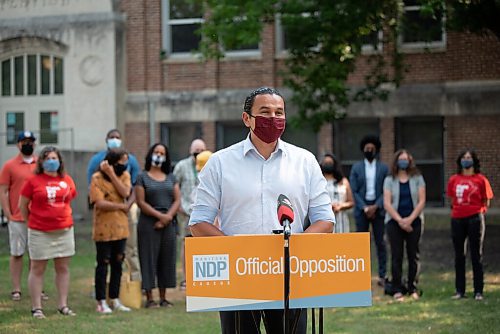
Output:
x=269 y=129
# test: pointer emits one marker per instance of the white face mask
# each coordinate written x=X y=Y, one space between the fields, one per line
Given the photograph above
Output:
x=157 y=160
x=114 y=143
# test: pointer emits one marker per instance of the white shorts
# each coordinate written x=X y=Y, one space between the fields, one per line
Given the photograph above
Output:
x=51 y=245
x=18 y=238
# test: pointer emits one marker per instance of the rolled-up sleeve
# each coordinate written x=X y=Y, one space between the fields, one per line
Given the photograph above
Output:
x=208 y=194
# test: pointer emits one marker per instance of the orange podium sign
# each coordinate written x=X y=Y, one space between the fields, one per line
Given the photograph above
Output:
x=246 y=272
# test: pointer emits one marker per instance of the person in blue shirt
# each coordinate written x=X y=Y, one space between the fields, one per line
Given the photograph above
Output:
x=113 y=141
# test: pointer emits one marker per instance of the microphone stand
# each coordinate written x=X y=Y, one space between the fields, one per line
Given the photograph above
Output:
x=286 y=249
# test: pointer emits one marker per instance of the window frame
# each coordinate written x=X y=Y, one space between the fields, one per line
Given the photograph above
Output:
x=38 y=76
x=423 y=45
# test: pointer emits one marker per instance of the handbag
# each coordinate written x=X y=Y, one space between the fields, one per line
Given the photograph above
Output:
x=130 y=291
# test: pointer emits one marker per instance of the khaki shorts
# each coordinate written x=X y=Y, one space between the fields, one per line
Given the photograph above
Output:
x=51 y=245
x=18 y=238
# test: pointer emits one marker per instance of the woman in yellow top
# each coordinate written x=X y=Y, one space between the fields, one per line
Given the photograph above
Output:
x=109 y=189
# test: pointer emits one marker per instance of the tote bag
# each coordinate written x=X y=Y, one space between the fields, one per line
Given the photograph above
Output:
x=130 y=291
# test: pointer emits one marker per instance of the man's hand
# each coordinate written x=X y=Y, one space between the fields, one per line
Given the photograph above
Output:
x=370 y=211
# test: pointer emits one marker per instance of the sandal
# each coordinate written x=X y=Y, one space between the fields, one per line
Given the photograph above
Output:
x=398 y=296
x=66 y=311
x=151 y=304
x=45 y=296
x=182 y=286
x=15 y=296
x=38 y=313
x=166 y=303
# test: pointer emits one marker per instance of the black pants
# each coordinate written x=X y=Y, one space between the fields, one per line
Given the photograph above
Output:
x=471 y=229
x=110 y=253
x=397 y=238
x=243 y=322
x=378 y=226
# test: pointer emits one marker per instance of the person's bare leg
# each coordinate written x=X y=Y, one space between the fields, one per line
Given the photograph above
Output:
x=16 y=272
x=61 y=266
x=35 y=282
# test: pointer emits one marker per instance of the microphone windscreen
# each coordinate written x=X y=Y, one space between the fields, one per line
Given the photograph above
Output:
x=285 y=209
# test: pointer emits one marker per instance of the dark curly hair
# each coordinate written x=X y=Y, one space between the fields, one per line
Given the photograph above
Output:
x=370 y=139
x=249 y=100
x=475 y=160
x=166 y=166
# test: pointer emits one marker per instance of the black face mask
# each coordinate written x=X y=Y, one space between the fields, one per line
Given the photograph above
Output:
x=369 y=155
x=27 y=149
x=119 y=169
x=327 y=168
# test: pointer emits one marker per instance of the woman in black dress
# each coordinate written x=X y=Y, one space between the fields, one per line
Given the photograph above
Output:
x=158 y=196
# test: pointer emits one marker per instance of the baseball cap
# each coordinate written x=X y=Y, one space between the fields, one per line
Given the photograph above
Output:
x=25 y=135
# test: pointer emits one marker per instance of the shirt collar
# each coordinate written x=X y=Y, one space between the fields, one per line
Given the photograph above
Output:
x=371 y=164
x=249 y=146
x=20 y=159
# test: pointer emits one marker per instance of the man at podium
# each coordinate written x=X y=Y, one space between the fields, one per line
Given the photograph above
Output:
x=241 y=185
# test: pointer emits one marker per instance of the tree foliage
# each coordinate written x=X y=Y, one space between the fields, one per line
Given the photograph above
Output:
x=324 y=41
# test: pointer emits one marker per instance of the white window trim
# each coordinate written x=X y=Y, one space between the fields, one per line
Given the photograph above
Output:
x=422 y=46
x=167 y=33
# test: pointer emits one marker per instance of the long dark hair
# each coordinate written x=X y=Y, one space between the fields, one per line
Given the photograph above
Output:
x=475 y=160
x=166 y=166
x=43 y=155
x=412 y=168
x=337 y=170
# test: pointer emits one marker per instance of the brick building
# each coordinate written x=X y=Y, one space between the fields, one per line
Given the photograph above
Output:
x=73 y=69
x=449 y=100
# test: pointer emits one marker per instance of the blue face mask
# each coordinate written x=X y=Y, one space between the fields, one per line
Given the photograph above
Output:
x=51 y=165
x=403 y=164
x=466 y=163
x=114 y=143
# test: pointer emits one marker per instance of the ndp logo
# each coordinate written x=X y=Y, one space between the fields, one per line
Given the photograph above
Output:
x=213 y=267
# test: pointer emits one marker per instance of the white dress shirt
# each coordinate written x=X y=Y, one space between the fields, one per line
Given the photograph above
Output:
x=240 y=186
x=370 y=171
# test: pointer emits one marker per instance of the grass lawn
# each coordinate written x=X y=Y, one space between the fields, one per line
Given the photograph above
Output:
x=434 y=313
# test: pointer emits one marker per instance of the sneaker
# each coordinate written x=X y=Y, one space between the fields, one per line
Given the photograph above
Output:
x=478 y=296
x=102 y=307
x=458 y=295
x=118 y=306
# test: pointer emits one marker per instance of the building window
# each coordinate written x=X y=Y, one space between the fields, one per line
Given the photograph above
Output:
x=178 y=138
x=181 y=20
x=421 y=30
x=32 y=74
x=306 y=139
x=427 y=150
x=15 y=124
x=347 y=136
x=370 y=43
x=229 y=133
x=49 y=124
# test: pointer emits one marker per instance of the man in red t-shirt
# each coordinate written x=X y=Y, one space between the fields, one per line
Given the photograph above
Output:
x=12 y=177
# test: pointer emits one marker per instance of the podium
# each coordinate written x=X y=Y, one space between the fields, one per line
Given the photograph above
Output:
x=245 y=272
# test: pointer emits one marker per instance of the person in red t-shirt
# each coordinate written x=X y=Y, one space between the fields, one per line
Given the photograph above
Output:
x=45 y=206
x=467 y=191
x=12 y=177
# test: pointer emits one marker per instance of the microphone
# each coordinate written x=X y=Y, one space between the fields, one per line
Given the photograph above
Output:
x=285 y=213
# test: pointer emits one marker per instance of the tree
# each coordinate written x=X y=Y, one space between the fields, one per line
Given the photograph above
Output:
x=325 y=39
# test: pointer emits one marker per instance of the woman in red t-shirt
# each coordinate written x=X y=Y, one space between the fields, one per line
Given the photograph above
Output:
x=467 y=191
x=45 y=206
